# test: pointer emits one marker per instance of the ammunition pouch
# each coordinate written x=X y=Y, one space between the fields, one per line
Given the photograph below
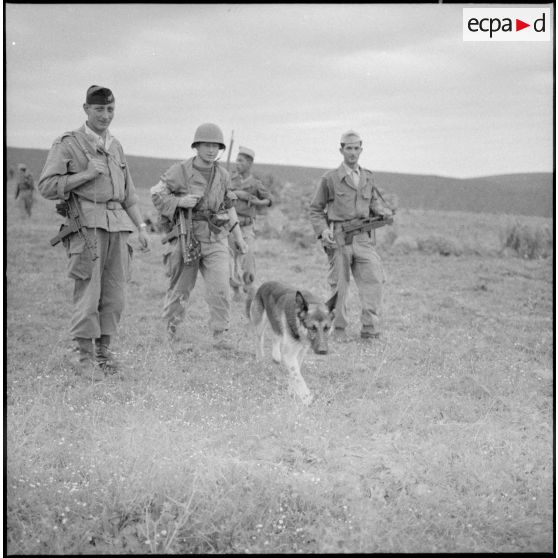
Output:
x=215 y=221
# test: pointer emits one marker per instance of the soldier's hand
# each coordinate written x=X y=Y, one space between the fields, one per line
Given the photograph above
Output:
x=144 y=241
x=327 y=237
x=188 y=201
x=242 y=246
x=242 y=195
x=94 y=168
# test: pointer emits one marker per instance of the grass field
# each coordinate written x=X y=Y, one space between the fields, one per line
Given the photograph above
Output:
x=436 y=438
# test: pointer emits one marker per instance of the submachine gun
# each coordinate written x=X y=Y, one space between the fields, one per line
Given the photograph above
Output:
x=189 y=244
x=70 y=210
x=344 y=235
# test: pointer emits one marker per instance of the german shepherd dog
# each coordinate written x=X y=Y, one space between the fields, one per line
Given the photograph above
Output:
x=298 y=321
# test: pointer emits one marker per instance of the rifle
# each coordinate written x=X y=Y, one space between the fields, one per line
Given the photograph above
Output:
x=70 y=210
x=348 y=230
x=189 y=244
x=230 y=150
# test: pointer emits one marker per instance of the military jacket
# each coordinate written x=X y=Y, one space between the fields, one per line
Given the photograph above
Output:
x=254 y=187
x=182 y=179
x=25 y=182
x=338 y=199
x=104 y=199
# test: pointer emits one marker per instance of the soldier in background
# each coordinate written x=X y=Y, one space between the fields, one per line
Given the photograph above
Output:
x=89 y=165
x=345 y=194
x=25 y=190
x=251 y=194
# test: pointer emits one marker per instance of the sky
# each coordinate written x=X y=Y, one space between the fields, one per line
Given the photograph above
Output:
x=288 y=79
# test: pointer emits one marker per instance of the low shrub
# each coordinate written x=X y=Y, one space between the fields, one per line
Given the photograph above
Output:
x=439 y=244
x=527 y=240
x=404 y=245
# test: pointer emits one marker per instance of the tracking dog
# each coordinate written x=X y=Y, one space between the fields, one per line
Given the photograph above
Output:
x=298 y=321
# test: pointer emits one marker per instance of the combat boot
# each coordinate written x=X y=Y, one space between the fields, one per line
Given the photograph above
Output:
x=222 y=341
x=340 y=335
x=104 y=356
x=369 y=335
x=86 y=360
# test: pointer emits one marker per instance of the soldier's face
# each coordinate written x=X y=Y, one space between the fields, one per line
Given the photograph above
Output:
x=351 y=152
x=99 y=117
x=207 y=152
x=242 y=164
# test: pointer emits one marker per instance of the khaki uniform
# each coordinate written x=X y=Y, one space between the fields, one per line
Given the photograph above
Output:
x=179 y=180
x=241 y=264
x=338 y=199
x=25 y=192
x=99 y=286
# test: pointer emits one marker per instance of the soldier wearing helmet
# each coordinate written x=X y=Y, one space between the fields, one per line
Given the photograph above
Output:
x=25 y=191
x=251 y=194
x=203 y=185
x=343 y=195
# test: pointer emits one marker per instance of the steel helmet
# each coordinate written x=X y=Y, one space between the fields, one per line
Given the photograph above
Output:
x=210 y=133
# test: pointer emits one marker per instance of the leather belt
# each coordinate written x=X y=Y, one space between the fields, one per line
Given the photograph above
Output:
x=108 y=205
x=338 y=224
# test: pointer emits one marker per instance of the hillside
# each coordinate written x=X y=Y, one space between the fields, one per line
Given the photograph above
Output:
x=529 y=194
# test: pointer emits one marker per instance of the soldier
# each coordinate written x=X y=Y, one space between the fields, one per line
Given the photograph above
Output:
x=25 y=191
x=202 y=184
x=88 y=164
x=251 y=194
x=345 y=194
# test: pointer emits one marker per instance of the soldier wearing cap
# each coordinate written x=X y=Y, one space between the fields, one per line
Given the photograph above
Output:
x=88 y=164
x=25 y=191
x=251 y=194
x=202 y=184
x=342 y=195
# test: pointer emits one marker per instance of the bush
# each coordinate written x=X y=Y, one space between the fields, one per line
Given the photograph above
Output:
x=404 y=245
x=527 y=240
x=438 y=244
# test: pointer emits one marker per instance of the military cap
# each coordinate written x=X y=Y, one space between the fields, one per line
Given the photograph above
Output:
x=97 y=95
x=246 y=151
x=350 y=137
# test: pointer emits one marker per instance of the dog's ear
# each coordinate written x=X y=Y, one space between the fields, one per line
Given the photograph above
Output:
x=331 y=303
x=300 y=303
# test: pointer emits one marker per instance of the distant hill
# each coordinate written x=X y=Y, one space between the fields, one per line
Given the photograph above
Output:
x=529 y=194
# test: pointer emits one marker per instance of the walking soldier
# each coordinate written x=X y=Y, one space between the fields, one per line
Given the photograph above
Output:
x=25 y=191
x=251 y=194
x=202 y=187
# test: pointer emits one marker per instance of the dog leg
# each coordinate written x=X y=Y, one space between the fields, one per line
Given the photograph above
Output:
x=297 y=385
x=276 y=349
x=260 y=339
x=258 y=322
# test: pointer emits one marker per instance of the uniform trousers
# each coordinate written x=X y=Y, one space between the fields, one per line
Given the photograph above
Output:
x=242 y=263
x=360 y=259
x=99 y=286
x=214 y=268
x=25 y=201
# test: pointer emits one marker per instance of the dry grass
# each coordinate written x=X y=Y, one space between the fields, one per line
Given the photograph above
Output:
x=437 y=438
